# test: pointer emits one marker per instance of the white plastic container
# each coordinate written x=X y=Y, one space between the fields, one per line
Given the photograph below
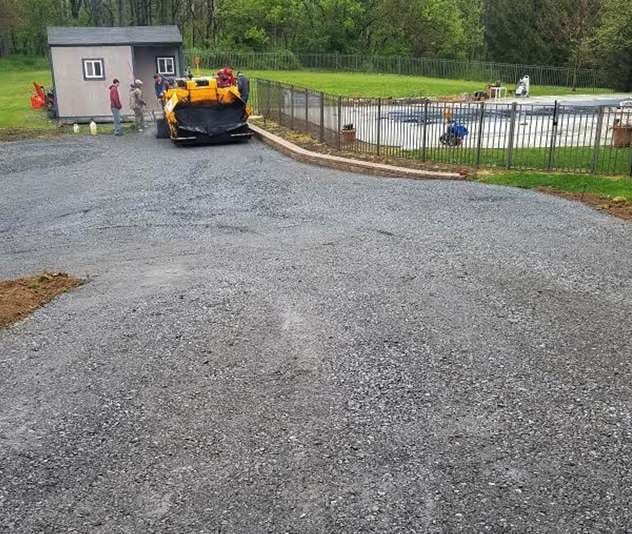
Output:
x=75 y=128
x=93 y=128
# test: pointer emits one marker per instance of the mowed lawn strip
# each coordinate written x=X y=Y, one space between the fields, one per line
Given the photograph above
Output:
x=17 y=119
x=571 y=183
x=16 y=88
x=18 y=75
x=370 y=85
x=613 y=195
x=611 y=161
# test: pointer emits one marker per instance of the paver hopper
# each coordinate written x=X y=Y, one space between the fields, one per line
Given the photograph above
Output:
x=198 y=111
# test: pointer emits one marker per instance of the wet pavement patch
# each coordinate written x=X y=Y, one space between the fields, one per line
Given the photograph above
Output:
x=20 y=297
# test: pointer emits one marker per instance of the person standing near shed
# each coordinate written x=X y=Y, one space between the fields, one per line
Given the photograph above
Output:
x=137 y=104
x=161 y=84
x=115 y=106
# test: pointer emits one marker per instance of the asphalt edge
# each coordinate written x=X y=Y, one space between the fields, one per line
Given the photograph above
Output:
x=347 y=164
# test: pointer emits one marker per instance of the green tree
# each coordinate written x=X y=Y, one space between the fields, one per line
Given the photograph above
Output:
x=472 y=12
x=8 y=22
x=419 y=27
x=615 y=41
x=511 y=32
x=564 y=32
x=570 y=27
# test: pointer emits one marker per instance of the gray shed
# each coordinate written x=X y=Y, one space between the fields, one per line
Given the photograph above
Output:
x=84 y=61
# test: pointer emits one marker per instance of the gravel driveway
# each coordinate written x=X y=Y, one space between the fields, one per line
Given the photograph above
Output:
x=265 y=346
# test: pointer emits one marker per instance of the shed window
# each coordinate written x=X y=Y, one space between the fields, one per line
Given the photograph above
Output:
x=93 y=69
x=166 y=65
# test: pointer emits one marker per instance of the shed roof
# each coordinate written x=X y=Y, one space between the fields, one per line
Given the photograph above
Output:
x=126 y=35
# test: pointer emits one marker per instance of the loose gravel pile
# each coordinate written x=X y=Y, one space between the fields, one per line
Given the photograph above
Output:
x=264 y=346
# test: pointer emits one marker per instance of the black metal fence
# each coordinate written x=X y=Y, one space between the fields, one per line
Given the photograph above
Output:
x=587 y=79
x=586 y=139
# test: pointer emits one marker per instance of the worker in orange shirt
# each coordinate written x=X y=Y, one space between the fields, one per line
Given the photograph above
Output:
x=225 y=77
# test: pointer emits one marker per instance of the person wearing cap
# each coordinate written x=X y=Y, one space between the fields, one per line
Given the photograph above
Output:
x=137 y=104
x=161 y=84
x=225 y=77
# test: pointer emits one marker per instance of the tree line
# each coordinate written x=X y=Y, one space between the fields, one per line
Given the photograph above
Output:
x=572 y=33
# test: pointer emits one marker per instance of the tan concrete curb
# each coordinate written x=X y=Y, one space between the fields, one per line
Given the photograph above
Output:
x=347 y=164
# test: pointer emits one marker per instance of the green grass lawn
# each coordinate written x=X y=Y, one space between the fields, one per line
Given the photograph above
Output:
x=16 y=88
x=612 y=161
x=386 y=85
x=18 y=73
x=580 y=183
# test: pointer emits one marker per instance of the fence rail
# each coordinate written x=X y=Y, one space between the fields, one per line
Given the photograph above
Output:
x=523 y=136
x=587 y=79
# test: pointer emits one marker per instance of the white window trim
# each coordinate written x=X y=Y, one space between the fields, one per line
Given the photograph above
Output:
x=165 y=59
x=92 y=61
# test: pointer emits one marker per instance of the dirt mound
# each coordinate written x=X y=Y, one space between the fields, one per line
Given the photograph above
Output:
x=20 y=297
x=20 y=134
x=618 y=207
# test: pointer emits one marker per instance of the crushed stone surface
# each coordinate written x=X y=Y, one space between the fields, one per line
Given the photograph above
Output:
x=266 y=346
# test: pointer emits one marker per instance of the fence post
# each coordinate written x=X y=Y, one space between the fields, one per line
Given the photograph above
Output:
x=307 y=111
x=379 y=124
x=597 y=145
x=549 y=164
x=425 y=131
x=512 y=134
x=253 y=96
x=322 y=117
x=339 y=120
x=479 y=143
x=292 y=107
x=280 y=102
x=268 y=104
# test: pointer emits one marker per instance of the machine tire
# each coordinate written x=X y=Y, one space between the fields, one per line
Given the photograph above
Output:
x=162 y=129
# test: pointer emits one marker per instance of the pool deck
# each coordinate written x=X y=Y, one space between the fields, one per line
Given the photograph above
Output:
x=579 y=100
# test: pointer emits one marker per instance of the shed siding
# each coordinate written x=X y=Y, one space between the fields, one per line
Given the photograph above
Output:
x=77 y=97
x=145 y=68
